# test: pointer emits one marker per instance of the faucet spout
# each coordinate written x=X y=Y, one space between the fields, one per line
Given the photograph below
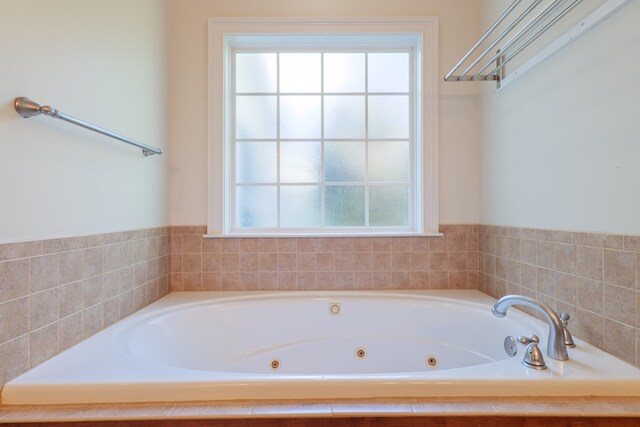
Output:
x=556 y=347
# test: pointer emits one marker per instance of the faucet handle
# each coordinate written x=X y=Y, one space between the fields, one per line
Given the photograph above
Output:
x=532 y=356
x=568 y=339
x=529 y=340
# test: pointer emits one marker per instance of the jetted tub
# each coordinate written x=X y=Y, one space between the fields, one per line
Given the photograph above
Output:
x=305 y=345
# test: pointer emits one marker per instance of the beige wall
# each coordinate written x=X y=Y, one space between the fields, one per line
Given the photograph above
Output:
x=103 y=62
x=560 y=146
x=458 y=109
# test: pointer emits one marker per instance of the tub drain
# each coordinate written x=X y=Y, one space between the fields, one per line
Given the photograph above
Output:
x=431 y=361
x=275 y=364
x=361 y=353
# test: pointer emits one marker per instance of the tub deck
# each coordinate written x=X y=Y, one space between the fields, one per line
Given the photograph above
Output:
x=568 y=411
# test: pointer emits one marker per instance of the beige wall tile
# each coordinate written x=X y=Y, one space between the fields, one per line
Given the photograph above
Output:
x=609 y=241
x=92 y=291
x=501 y=268
x=419 y=262
x=269 y=261
x=381 y=261
x=210 y=245
x=363 y=261
x=44 y=272
x=70 y=331
x=545 y=254
x=249 y=245
x=529 y=277
x=43 y=308
x=514 y=272
x=619 y=340
x=91 y=321
x=43 y=344
x=632 y=243
x=71 y=266
x=192 y=244
x=128 y=253
x=546 y=281
x=140 y=273
x=420 y=280
x=287 y=262
x=111 y=285
x=14 y=319
x=211 y=281
x=93 y=258
x=70 y=299
x=111 y=311
x=193 y=281
x=249 y=280
x=620 y=304
x=381 y=244
x=287 y=245
x=306 y=262
x=566 y=288
x=381 y=279
x=192 y=263
x=528 y=251
x=15 y=358
x=589 y=262
x=306 y=245
x=325 y=280
x=14 y=279
x=565 y=258
x=513 y=248
x=439 y=261
x=112 y=257
x=324 y=262
x=458 y=261
x=10 y=251
x=400 y=280
x=438 y=279
x=287 y=280
x=619 y=268
x=127 y=278
x=344 y=280
x=590 y=294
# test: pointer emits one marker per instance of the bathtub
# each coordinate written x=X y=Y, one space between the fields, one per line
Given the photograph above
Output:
x=315 y=345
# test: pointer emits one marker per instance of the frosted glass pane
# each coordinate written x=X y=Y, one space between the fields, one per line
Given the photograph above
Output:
x=300 y=161
x=389 y=116
x=344 y=205
x=344 y=72
x=299 y=117
x=344 y=116
x=300 y=72
x=389 y=205
x=389 y=161
x=256 y=117
x=256 y=206
x=344 y=161
x=256 y=72
x=256 y=162
x=300 y=206
x=388 y=72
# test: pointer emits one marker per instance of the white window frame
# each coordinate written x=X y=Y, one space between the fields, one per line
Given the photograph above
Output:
x=224 y=32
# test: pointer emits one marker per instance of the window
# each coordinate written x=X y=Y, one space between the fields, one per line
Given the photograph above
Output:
x=330 y=133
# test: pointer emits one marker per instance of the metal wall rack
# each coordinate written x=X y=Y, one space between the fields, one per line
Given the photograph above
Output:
x=515 y=30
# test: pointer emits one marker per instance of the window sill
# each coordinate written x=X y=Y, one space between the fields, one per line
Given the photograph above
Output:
x=316 y=235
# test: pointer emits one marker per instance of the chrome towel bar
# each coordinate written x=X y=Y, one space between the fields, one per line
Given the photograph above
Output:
x=28 y=108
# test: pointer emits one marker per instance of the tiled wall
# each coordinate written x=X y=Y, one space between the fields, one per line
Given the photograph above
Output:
x=593 y=277
x=448 y=262
x=55 y=293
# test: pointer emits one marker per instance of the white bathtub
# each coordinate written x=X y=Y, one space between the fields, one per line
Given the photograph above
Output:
x=311 y=345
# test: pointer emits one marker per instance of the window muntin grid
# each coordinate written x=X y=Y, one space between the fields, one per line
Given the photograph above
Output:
x=272 y=137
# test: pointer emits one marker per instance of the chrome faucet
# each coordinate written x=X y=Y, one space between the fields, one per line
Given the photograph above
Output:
x=556 y=347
